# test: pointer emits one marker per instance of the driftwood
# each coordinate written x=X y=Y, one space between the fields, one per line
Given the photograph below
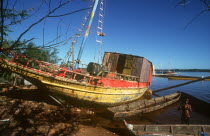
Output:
x=182 y=130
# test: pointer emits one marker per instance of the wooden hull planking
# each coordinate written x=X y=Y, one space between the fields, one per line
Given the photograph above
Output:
x=96 y=95
x=142 y=104
x=181 y=130
x=147 y=106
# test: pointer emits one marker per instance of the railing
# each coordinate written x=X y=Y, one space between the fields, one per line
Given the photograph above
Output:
x=58 y=71
x=114 y=75
x=46 y=67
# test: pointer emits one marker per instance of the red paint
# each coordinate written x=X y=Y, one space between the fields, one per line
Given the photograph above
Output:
x=107 y=82
x=78 y=70
x=99 y=81
x=62 y=72
x=150 y=76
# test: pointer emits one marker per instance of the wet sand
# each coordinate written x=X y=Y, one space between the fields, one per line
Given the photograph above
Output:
x=31 y=113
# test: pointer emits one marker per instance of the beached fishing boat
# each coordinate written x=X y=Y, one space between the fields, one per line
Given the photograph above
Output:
x=107 y=88
x=144 y=106
x=121 y=78
x=169 y=130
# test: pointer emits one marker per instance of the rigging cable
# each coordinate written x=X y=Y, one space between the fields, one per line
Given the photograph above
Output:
x=70 y=52
x=86 y=34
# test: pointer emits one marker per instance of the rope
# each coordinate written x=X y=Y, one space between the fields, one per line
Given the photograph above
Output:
x=70 y=53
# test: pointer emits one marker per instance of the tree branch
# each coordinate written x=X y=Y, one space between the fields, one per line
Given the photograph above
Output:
x=195 y=18
x=43 y=31
x=70 y=12
x=40 y=47
x=9 y=48
x=205 y=2
x=57 y=44
x=13 y=7
x=29 y=15
x=53 y=40
x=2 y=24
x=18 y=39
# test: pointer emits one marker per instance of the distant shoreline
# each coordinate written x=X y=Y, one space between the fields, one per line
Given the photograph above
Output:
x=184 y=70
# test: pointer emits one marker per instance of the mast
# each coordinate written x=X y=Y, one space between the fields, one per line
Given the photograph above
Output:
x=86 y=34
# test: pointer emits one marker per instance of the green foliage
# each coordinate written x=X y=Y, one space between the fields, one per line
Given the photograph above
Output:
x=32 y=51
x=12 y=17
x=48 y=55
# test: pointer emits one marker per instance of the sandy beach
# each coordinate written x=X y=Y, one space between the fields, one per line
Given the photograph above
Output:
x=29 y=113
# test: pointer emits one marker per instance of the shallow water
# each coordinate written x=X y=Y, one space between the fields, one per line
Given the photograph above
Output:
x=170 y=114
x=200 y=89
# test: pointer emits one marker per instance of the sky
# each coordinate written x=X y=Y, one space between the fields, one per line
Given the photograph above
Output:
x=154 y=29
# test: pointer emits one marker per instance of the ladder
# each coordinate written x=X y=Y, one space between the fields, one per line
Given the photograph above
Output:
x=100 y=33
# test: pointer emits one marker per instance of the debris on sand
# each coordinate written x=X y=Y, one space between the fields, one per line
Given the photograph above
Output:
x=23 y=117
x=26 y=111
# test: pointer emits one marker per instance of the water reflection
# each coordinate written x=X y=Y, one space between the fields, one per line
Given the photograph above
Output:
x=198 y=89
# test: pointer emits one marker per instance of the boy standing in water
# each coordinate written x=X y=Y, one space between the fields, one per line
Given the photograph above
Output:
x=186 y=111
